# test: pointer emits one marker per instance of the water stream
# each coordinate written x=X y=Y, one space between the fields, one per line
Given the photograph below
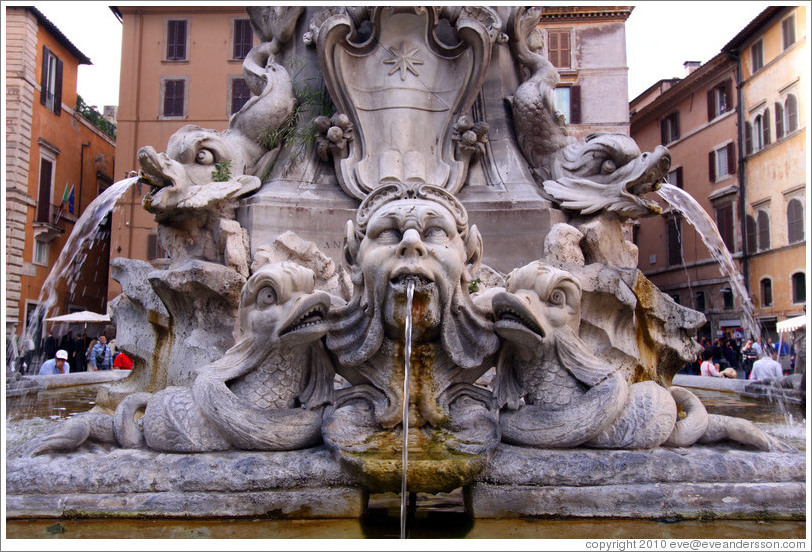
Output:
x=69 y=264
x=709 y=232
x=407 y=363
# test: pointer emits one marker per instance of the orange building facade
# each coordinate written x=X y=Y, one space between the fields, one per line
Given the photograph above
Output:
x=53 y=153
x=695 y=118
x=179 y=66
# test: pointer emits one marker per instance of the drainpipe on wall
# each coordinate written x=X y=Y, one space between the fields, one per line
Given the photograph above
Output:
x=742 y=173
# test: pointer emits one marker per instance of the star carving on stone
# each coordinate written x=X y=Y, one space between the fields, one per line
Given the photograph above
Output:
x=404 y=60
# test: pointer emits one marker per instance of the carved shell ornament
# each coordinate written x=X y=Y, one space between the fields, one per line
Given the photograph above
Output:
x=402 y=124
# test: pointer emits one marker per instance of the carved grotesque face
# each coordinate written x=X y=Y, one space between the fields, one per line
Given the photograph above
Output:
x=412 y=241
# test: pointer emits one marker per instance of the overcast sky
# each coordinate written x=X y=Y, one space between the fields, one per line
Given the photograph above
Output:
x=660 y=37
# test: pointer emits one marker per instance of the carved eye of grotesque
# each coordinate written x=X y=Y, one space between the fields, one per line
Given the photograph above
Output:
x=204 y=157
x=266 y=297
x=558 y=297
x=435 y=232
x=389 y=235
x=608 y=167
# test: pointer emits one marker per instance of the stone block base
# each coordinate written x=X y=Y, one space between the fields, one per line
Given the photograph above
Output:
x=698 y=482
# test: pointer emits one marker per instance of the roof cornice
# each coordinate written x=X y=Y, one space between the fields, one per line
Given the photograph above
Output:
x=550 y=14
x=59 y=36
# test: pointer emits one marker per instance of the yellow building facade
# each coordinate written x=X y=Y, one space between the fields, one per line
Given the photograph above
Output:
x=773 y=56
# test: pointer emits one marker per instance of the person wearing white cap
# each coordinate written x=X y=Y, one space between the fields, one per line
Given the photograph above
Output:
x=57 y=365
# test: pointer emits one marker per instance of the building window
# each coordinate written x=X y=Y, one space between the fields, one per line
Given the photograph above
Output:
x=243 y=38
x=766 y=286
x=720 y=99
x=174 y=91
x=700 y=301
x=751 y=233
x=51 y=81
x=758 y=133
x=40 y=256
x=674 y=243
x=722 y=162
x=788 y=31
x=727 y=298
x=791 y=113
x=154 y=249
x=748 y=138
x=567 y=100
x=47 y=166
x=779 y=121
x=765 y=130
x=799 y=287
x=675 y=177
x=757 y=55
x=176 y=40
x=795 y=221
x=724 y=221
x=558 y=48
x=763 y=228
x=240 y=93
x=669 y=128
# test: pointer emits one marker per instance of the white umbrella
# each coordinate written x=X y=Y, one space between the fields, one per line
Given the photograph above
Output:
x=81 y=317
x=791 y=324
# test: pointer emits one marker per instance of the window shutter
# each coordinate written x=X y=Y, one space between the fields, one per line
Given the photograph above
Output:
x=152 y=246
x=552 y=48
x=711 y=106
x=779 y=120
x=729 y=94
x=676 y=125
x=58 y=88
x=43 y=91
x=712 y=166
x=766 y=127
x=731 y=158
x=564 y=49
x=792 y=114
x=679 y=177
x=575 y=105
x=663 y=132
x=748 y=138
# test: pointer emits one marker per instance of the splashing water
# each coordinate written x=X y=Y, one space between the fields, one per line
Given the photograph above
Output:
x=69 y=264
x=407 y=363
x=709 y=232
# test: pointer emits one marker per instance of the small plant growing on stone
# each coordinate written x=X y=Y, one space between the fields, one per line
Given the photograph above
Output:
x=222 y=171
x=473 y=287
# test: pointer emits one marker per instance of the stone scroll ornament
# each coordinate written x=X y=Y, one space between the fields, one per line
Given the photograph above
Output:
x=404 y=86
x=556 y=394
x=198 y=181
x=419 y=234
x=267 y=392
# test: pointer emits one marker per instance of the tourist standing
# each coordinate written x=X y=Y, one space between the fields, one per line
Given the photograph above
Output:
x=57 y=365
x=766 y=368
x=51 y=345
x=100 y=356
x=79 y=354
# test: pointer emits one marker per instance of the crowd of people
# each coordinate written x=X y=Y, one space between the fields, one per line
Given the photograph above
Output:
x=727 y=357
x=80 y=354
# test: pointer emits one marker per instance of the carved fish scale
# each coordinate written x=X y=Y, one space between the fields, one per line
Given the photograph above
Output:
x=276 y=383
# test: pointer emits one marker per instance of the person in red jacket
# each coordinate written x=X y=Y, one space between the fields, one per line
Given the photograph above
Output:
x=122 y=362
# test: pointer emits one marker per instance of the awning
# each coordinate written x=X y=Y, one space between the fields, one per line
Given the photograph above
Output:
x=791 y=324
x=86 y=317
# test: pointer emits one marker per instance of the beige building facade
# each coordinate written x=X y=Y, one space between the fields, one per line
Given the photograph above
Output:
x=774 y=82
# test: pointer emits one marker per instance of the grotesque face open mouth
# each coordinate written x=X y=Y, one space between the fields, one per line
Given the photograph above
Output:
x=308 y=320
x=400 y=281
x=513 y=318
x=649 y=180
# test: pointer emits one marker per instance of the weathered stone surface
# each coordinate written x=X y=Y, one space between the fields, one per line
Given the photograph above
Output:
x=101 y=481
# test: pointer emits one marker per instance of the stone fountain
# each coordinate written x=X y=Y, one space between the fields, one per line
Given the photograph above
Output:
x=269 y=364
